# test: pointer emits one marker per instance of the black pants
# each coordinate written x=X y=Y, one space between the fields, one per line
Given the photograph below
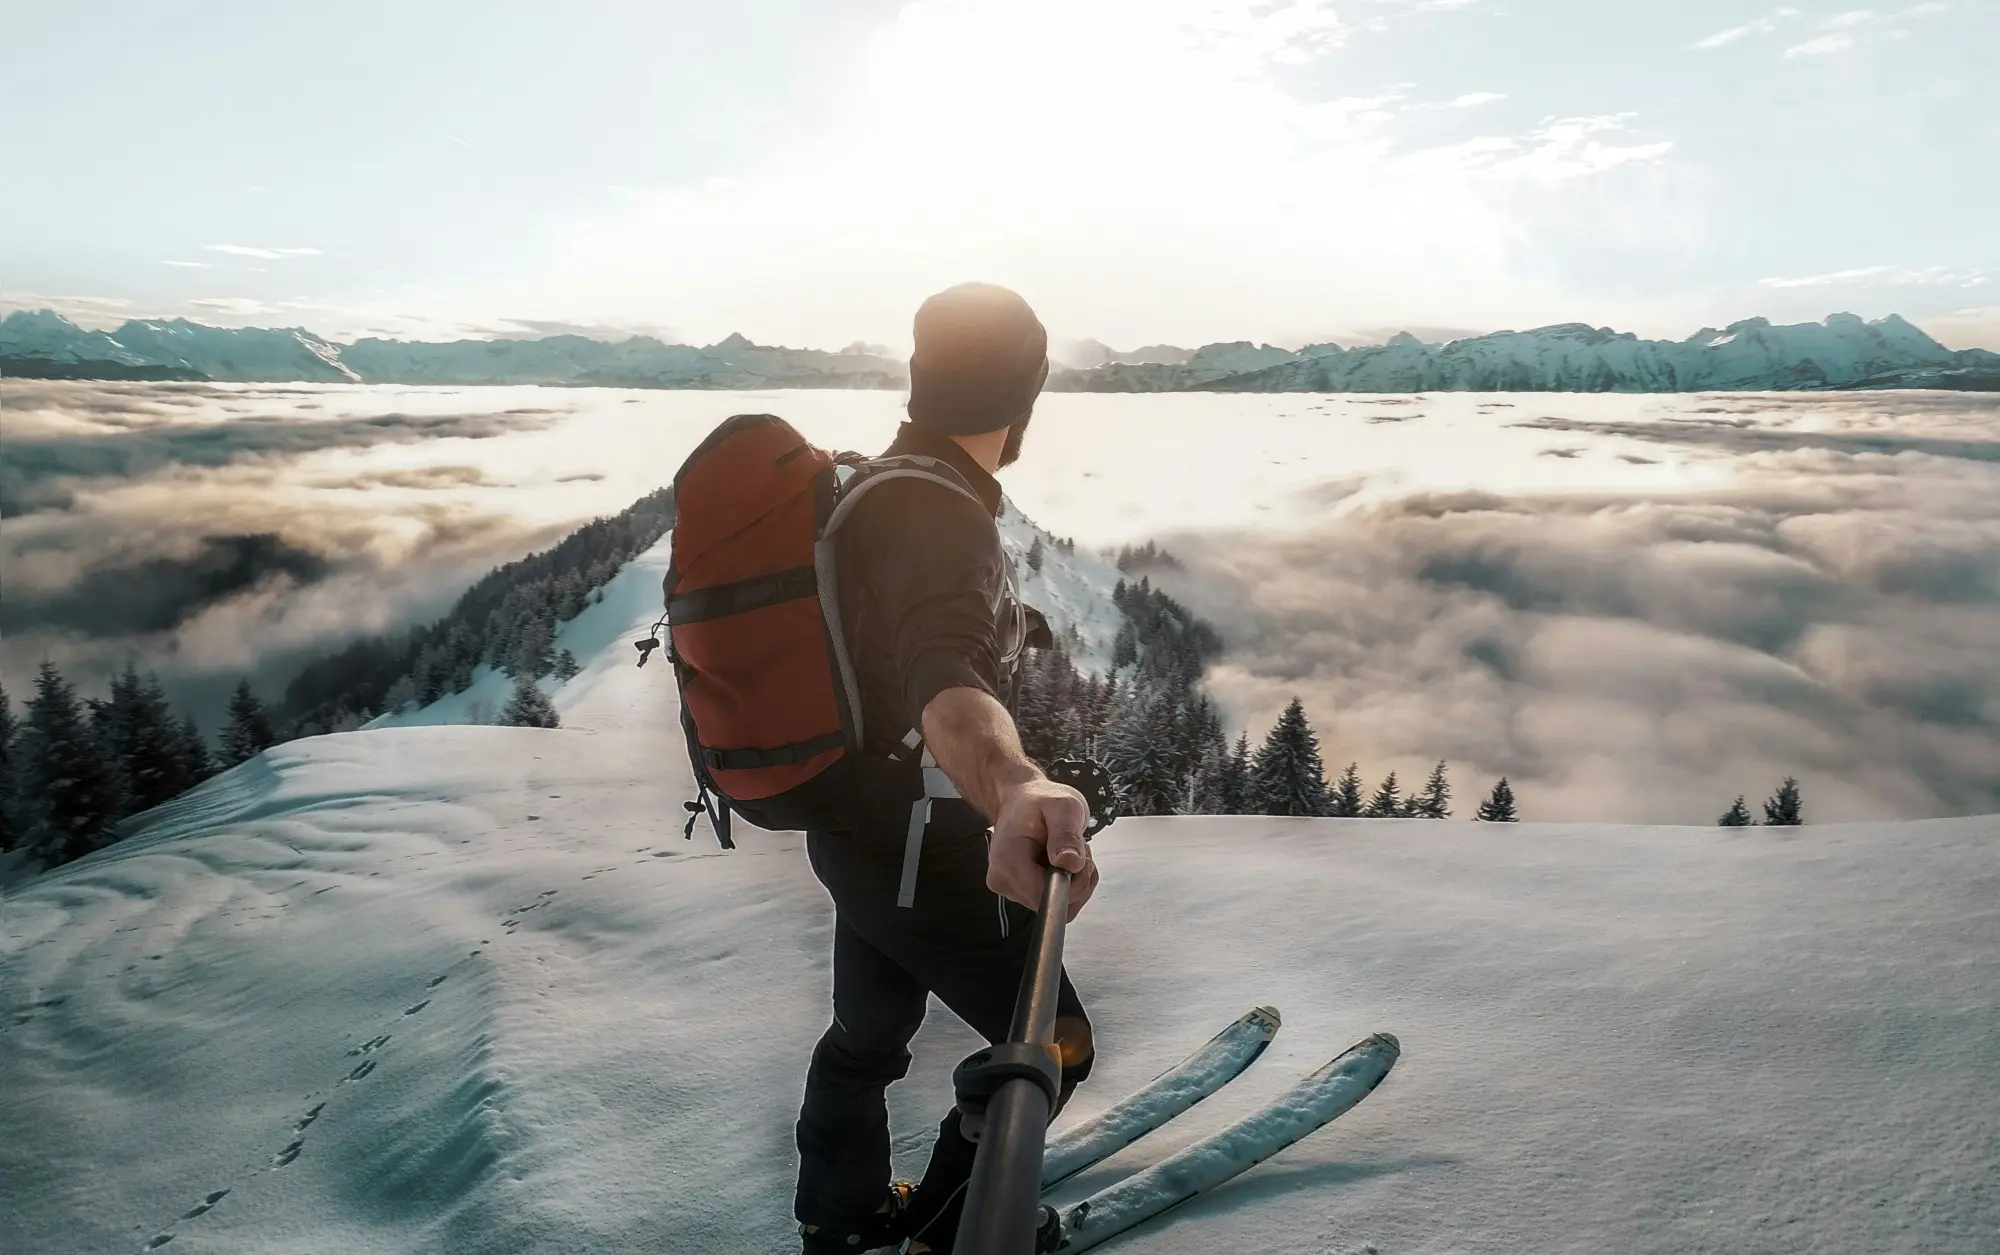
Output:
x=959 y=941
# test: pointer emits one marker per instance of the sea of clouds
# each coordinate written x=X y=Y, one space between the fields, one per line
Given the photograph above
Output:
x=1635 y=607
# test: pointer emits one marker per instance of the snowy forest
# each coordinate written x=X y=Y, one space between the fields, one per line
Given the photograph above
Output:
x=72 y=767
x=1152 y=725
x=507 y=621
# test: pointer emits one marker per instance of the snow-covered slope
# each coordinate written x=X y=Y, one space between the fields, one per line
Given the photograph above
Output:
x=1072 y=590
x=466 y=989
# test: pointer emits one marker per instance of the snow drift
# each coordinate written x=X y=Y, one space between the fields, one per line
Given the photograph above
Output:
x=463 y=988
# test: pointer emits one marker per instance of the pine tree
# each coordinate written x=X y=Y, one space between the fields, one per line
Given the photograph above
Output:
x=1498 y=808
x=567 y=668
x=402 y=695
x=1036 y=701
x=1229 y=794
x=1737 y=816
x=568 y=596
x=1288 y=777
x=69 y=785
x=432 y=670
x=1387 y=802
x=1200 y=750
x=1346 y=797
x=248 y=732
x=144 y=744
x=529 y=707
x=534 y=653
x=1106 y=700
x=1433 y=801
x=196 y=762
x=1785 y=809
x=1125 y=647
x=1034 y=558
x=9 y=793
x=1139 y=750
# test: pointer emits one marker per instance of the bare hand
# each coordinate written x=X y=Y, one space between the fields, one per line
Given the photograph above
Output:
x=1040 y=825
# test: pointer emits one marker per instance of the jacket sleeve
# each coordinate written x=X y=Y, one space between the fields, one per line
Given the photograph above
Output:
x=935 y=566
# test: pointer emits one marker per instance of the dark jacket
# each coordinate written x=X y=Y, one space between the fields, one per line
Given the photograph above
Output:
x=924 y=592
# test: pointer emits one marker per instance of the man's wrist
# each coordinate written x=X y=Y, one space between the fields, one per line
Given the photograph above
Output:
x=1014 y=776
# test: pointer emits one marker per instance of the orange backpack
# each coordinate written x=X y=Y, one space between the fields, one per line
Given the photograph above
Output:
x=769 y=702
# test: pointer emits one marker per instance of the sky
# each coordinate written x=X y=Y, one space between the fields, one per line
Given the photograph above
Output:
x=1144 y=171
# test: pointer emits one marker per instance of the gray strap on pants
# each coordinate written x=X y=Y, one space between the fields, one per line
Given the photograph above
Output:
x=936 y=784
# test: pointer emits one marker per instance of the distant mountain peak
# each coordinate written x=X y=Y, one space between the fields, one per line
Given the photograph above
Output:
x=1839 y=351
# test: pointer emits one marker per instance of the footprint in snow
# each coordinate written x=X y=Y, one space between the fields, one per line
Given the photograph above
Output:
x=369 y=1047
x=367 y=1066
x=436 y=981
x=206 y=1203
x=159 y=1241
x=420 y=1006
x=288 y=1154
x=305 y=1121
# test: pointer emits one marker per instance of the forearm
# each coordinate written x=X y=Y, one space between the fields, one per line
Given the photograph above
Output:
x=973 y=739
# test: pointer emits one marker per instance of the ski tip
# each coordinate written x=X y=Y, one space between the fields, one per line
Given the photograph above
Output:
x=1267 y=1016
x=1386 y=1041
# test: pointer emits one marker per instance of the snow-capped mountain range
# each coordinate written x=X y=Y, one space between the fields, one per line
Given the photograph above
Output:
x=1842 y=351
x=43 y=344
x=1754 y=354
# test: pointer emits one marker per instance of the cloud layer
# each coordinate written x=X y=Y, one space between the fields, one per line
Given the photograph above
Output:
x=204 y=532
x=1784 y=584
x=1833 y=613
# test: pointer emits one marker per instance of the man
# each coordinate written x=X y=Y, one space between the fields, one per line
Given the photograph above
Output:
x=927 y=616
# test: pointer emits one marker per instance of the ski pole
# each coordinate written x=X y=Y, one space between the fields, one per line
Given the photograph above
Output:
x=1012 y=1090
x=1008 y=1091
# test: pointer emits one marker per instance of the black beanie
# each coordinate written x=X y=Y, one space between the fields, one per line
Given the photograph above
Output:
x=981 y=358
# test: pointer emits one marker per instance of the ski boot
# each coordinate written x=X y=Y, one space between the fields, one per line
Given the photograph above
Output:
x=884 y=1231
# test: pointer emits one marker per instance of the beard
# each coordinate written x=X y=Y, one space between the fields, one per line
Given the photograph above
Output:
x=1011 y=451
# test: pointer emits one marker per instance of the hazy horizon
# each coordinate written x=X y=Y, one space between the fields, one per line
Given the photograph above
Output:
x=542 y=330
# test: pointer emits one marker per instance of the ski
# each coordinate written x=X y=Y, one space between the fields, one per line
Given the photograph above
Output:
x=1194 y=1078
x=1314 y=1102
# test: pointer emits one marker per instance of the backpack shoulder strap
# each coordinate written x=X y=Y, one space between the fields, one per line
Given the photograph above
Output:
x=853 y=480
x=856 y=478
